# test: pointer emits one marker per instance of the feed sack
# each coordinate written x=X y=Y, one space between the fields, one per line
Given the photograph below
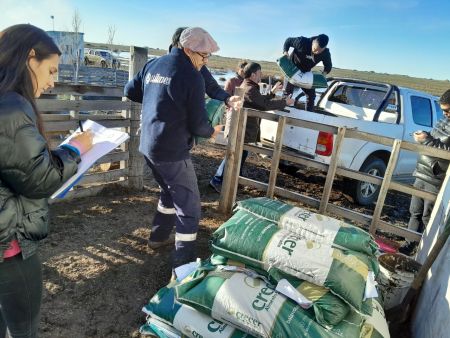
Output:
x=328 y=309
x=185 y=319
x=313 y=226
x=255 y=307
x=298 y=78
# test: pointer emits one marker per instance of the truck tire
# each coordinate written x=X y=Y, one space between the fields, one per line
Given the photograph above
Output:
x=365 y=193
x=103 y=64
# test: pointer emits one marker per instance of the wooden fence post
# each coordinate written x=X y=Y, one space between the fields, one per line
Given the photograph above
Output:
x=233 y=157
x=276 y=157
x=138 y=58
x=385 y=186
x=332 y=170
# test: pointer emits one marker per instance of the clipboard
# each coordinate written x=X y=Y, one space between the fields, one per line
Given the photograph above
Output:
x=104 y=141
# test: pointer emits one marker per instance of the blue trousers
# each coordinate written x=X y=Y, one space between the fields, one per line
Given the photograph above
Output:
x=20 y=296
x=218 y=177
x=178 y=206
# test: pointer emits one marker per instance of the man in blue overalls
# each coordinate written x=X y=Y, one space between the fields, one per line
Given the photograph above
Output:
x=172 y=91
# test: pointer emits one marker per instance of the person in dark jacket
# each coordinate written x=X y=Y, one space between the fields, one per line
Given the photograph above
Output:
x=307 y=53
x=212 y=88
x=255 y=100
x=29 y=173
x=430 y=172
x=172 y=92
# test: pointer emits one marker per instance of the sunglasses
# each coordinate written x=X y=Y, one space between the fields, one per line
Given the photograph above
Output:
x=204 y=56
x=447 y=111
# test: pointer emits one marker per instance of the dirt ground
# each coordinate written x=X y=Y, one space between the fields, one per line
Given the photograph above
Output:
x=98 y=270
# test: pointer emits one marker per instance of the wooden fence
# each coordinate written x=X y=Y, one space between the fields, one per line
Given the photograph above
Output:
x=234 y=155
x=93 y=75
x=65 y=105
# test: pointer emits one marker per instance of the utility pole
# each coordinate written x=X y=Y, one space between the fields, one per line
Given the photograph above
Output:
x=53 y=21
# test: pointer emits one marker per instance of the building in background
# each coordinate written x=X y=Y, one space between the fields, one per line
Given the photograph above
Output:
x=71 y=45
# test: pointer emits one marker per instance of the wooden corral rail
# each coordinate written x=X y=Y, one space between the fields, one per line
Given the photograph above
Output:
x=65 y=105
x=93 y=75
x=236 y=146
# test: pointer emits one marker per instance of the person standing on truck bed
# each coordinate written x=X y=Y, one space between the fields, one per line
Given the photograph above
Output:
x=429 y=173
x=255 y=100
x=307 y=53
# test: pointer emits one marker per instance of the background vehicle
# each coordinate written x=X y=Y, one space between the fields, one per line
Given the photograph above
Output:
x=101 y=58
x=373 y=107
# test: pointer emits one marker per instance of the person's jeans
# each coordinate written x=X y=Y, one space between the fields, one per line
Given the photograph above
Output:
x=218 y=177
x=310 y=95
x=420 y=209
x=20 y=296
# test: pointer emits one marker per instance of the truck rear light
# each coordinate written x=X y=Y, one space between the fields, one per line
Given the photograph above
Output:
x=324 y=145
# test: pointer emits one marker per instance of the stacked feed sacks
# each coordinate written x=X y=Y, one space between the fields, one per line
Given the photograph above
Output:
x=222 y=301
x=266 y=281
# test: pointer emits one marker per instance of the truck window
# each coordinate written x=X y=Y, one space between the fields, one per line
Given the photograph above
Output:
x=439 y=113
x=339 y=96
x=358 y=96
x=421 y=111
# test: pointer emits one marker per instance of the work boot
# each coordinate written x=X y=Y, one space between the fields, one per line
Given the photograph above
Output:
x=156 y=245
x=408 y=248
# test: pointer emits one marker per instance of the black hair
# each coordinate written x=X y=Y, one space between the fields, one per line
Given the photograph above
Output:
x=176 y=38
x=251 y=68
x=322 y=39
x=16 y=43
x=445 y=98
x=242 y=64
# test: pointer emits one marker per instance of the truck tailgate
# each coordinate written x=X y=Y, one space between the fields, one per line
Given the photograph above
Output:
x=301 y=139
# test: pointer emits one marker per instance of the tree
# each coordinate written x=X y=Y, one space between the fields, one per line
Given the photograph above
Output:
x=111 y=33
x=76 y=52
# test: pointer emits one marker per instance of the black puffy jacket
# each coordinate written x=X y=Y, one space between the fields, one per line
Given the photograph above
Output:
x=430 y=169
x=29 y=174
x=303 y=57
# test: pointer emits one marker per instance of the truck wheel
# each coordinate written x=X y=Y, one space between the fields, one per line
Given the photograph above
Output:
x=86 y=61
x=366 y=193
x=104 y=65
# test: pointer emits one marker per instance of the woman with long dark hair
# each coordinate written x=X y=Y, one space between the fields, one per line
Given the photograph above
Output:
x=29 y=173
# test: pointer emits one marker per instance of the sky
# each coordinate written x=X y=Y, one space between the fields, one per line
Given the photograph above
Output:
x=408 y=37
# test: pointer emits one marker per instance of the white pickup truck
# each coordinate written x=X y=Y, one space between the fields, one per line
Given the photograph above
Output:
x=376 y=108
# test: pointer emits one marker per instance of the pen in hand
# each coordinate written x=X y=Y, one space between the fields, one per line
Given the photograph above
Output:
x=81 y=125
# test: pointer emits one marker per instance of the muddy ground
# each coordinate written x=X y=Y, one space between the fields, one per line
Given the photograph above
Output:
x=98 y=271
